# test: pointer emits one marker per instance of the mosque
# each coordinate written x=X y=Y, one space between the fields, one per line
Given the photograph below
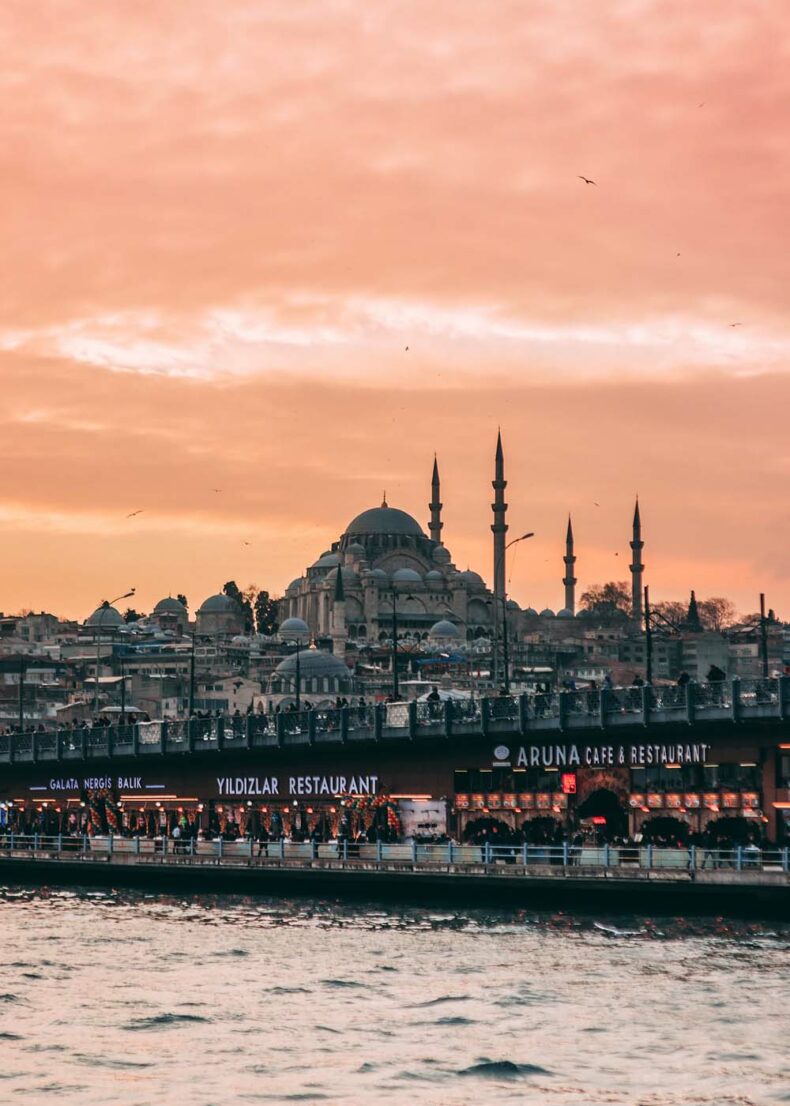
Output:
x=385 y=574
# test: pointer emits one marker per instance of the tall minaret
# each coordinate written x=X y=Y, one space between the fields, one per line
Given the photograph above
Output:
x=339 y=633
x=637 y=568
x=499 y=526
x=435 y=506
x=569 y=580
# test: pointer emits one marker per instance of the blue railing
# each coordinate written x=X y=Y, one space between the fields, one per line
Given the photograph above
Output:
x=534 y=714
x=493 y=858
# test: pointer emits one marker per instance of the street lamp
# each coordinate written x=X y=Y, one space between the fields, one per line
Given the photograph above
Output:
x=503 y=600
x=105 y=606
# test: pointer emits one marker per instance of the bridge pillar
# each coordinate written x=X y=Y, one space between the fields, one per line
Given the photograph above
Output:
x=603 y=702
x=784 y=696
x=343 y=725
x=311 y=727
x=220 y=733
x=280 y=727
x=735 y=686
x=412 y=710
x=485 y=716
x=448 y=718
x=523 y=713
x=690 y=702
x=163 y=739
x=378 y=720
x=33 y=748
x=135 y=741
x=248 y=724
x=647 y=692
x=563 y=710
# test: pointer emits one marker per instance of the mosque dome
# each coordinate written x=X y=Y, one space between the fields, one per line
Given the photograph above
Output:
x=356 y=549
x=293 y=626
x=384 y=520
x=295 y=584
x=444 y=628
x=531 y=612
x=406 y=576
x=441 y=555
x=106 y=618
x=564 y=613
x=546 y=613
x=327 y=560
x=470 y=577
x=218 y=604
x=170 y=606
x=512 y=605
x=434 y=577
x=349 y=575
x=313 y=664
x=380 y=575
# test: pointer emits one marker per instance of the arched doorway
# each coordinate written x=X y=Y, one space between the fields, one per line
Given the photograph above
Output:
x=604 y=809
x=664 y=830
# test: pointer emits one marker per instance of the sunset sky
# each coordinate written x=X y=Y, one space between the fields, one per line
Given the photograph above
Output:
x=223 y=223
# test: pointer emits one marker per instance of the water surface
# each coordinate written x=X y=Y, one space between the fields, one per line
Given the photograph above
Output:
x=130 y=998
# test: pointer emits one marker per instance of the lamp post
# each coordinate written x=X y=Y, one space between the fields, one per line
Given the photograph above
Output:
x=298 y=673
x=395 y=688
x=503 y=600
x=105 y=606
x=763 y=636
x=192 y=676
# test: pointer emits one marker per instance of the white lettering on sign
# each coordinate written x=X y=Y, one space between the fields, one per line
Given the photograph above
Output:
x=307 y=786
x=609 y=756
x=96 y=783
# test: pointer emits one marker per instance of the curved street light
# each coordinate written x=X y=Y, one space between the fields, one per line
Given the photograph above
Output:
x=503 y=600
x=105 y=606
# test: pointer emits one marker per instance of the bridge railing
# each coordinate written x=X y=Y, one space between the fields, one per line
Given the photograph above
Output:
x=733 y=700
x=566 y=855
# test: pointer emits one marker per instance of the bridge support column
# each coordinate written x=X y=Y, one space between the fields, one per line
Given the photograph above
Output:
x=735 y=694
x=523 y=713
x=690 y=702
x=784 y=697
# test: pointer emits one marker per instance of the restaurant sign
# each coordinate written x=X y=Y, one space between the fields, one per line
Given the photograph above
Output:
x=600 y=756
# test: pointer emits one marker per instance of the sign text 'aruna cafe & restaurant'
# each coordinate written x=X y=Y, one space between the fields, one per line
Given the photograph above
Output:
x=601 y=756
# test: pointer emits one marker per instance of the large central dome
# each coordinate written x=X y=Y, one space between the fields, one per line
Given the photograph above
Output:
x=384 y=520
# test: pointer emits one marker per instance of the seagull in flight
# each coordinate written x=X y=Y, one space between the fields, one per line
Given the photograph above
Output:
x=407 y=349
x=586 y=179
x=736 y=324
x=133 y=513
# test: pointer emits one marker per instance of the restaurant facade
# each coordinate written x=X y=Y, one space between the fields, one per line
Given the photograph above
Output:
x=693 y=775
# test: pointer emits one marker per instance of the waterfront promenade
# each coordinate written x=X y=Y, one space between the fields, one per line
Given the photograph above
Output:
x=745 y=878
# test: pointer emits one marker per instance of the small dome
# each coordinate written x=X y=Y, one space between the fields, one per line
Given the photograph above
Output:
x=380 y=575
x=512 y=605
x=356 y=549
x=218 y=604
x=384 y=520
x=470 y=577
x=444 y=628
x=546 y=613
x=349 y=576
x=105 y=618
x=441 y=555
x=564 y=613
x=531 y=612
x=170 y=606
x=314 y=664
x=406 y=576
x=327 y=560
x=434 y=577
x=293 y=626
x=295 y=584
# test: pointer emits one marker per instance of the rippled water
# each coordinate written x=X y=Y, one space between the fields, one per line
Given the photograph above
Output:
x=129 y=998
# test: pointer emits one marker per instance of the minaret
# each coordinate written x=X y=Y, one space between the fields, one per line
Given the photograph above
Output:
x=693 y=623
x=569 y=580
x=499 y=527
x=637 y=568
x=435 y=506
x=339 y=633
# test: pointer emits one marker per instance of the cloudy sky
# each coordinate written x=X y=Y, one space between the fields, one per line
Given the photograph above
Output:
x=222 y=225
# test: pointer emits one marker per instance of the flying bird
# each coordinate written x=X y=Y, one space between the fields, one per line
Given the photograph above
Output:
x=596 y=504
x=586 y=180
x=133 y=513
x=216 y=489
x=245 y=543
x=736 y=324
x=407 y=349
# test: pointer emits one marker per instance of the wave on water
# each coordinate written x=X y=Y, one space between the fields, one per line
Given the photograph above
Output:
x=5 y=1035
x=439 y=1001
x=502 y=1069
x=8 y=997
x=455 y=1021
x=341 y=983
x=158 y=1021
